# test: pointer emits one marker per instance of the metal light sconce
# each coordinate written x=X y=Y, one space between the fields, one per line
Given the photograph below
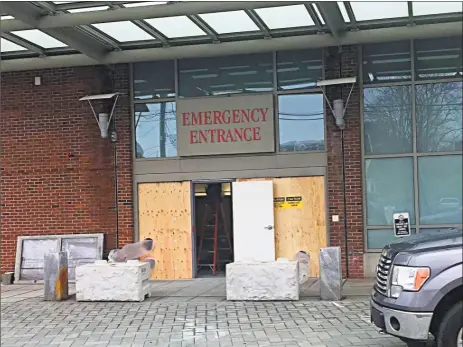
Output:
x=338 y=109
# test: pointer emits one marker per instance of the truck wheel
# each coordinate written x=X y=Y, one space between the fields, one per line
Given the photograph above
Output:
x=451 y=328
x=414 y=343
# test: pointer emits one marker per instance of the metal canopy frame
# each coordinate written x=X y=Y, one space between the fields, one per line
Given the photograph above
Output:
x=87 y=45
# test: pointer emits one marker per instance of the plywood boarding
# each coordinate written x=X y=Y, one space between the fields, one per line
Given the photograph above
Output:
x=301 y=228
x=164 y=214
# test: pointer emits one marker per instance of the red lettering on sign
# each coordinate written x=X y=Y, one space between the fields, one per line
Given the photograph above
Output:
x=256 y=134
x=221 y=135
x=185 y=119
x=250 y=120
x=193 y=137
x=218 y=118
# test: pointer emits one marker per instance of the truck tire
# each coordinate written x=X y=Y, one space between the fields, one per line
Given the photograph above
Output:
x=450 y=326
x=414 y=343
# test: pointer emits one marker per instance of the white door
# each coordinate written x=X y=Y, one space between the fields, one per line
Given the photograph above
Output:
x=253 y=224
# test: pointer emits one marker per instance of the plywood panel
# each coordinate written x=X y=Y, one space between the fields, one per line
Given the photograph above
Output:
x=164 y=214
x=301 y=228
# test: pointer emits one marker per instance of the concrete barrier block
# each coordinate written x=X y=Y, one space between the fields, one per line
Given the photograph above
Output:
x=330 y=274
x=113 y=281
x=260 y=281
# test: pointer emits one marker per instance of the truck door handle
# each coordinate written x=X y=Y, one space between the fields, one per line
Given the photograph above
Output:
x=270 y=227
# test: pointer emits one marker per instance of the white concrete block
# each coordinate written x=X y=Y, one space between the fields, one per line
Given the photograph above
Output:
x=260 y=281
x=113 y=281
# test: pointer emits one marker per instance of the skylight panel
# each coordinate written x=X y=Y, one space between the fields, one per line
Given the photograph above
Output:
x=88 y=9
x=229 y=22
x=343 y=10
x=39 y=38
x=146 y=3
x=176 y=26
x=285 y=16
x=124 y=31
x=8 y=46
x=379 y=10
x=426 y=8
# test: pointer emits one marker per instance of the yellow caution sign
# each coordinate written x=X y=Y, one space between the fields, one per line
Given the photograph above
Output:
x=287 y=202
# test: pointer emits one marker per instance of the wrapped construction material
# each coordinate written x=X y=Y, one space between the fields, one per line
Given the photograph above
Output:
x=303 y=259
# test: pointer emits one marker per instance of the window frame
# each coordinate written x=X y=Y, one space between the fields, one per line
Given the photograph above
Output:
x=275 y=94
x=414 y=154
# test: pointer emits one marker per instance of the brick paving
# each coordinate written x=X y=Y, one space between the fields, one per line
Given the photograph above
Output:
x=181 y=315
x=169 y=323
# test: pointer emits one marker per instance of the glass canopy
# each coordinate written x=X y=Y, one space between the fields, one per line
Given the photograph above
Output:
x=125 y=25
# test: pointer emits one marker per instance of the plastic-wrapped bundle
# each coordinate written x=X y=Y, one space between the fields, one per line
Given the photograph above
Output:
x=131 y=251
x=303 y=261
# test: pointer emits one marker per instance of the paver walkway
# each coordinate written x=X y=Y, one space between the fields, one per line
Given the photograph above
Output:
x=181 y=314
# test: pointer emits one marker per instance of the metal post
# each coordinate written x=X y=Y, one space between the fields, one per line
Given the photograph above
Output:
x=162 y=130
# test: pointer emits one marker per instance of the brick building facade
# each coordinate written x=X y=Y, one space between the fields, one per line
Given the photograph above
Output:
x=44 y=190
x=57 y=173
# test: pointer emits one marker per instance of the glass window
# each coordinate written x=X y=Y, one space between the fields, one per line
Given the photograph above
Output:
x=8 y=46
x=387 y=120
x=180 y=26
x=285 y=16
x=229 y=22
x=299 y=69
x=154 y=80
x=371 y=10
x=378 y=238
x=423 y=8
x=39 y=38
x=440 y=189
x=439 y=117
x=386 y=62
x=155 y=130
x=301 y=122
x=438 y=58
x=124 y=31
x=226 y=75
x=389 y=189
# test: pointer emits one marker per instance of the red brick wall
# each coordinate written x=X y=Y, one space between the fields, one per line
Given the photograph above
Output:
x=42 y=191
x=353 y=167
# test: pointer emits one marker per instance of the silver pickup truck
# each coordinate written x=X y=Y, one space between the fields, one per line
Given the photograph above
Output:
x=419 y=289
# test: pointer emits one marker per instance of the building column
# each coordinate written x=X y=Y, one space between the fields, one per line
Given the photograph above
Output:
x=340 y=64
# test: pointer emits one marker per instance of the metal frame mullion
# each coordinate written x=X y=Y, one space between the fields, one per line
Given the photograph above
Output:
x=86 y=29
x=176 y=80
x=153 y=100
x=24 y=43
x=350 y=13
x=152 y=31
x=410 y=13
x=362 y=148
x=46 y=5
x=416 y=204
x=99 y=35
x=276 y=113
x=314 y=16
x=259 y=22
x=143 y=25
x=198 y=21
x=87 y=4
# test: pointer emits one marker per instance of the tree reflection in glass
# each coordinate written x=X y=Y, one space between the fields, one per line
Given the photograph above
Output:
x=439 y=117
x=388 y=120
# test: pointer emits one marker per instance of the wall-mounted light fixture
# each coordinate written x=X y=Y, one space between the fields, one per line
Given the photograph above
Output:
x=338 y=109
